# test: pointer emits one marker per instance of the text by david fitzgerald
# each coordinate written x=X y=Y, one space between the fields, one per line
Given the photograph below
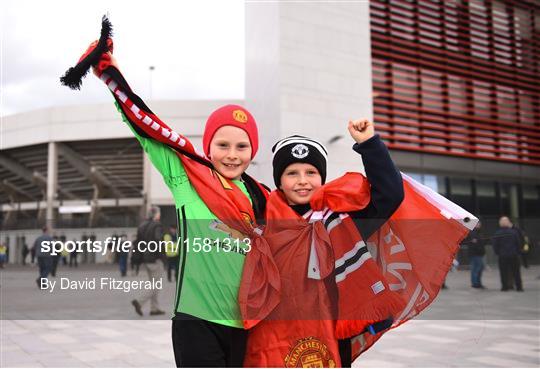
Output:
x=103 y=283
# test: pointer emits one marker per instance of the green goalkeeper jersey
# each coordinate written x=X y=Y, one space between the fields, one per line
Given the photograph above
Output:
x=211 y=255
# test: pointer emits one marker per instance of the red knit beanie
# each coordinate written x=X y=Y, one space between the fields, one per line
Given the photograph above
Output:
x=231 y=115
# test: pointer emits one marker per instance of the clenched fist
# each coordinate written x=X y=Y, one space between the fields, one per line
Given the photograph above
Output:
x=361 y=130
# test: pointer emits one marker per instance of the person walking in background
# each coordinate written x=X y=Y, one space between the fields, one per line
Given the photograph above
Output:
x=475 y=244
x=32 y=255
x=507 y=246
x=73 y=257
x=55 y=258
x=44 y=258
x=25 y=252
x=84 y=255
x=171 y=249
x=153 y=262
x=135 y=259
x=3 y=255
x=64 y=253
x=123 y=257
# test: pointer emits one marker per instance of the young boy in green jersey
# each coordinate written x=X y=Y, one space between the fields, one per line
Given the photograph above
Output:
x=208 y=190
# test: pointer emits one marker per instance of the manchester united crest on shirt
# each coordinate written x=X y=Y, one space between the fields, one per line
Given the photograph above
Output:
x=309 y=352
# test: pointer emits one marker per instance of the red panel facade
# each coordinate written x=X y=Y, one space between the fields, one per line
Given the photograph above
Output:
x=458 y=77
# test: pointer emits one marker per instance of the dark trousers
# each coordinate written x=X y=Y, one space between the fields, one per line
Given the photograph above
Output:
x=509 y=269
x=172 y=264
x=45 y=266
x=73 y=259
x=54 y=266
x=524 y=260
x=199 y=343
x=122 y=263
x=477 y=266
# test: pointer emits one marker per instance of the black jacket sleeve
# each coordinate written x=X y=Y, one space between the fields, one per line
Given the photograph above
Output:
x=386 y=186
x=158 y=232
x=495 y=243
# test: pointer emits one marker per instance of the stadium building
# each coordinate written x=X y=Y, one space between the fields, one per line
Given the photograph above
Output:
x=452 y=86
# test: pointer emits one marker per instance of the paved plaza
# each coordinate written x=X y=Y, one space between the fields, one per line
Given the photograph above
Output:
x=463 y=328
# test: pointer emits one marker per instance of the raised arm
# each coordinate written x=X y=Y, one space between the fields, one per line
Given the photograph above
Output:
x=160 y=142
x=139 y=115
x=385 y=180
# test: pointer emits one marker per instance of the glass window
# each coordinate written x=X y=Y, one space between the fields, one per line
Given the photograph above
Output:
x=501 y=31
x=430 y=181
x=432 y=93
x=480 y=33
x=526 y=107
x=436 y=183
x=416 y=176
x=530 y=200
x=482 y=99
x=486 y=193
x=506 y=103
x=457 y=95
x=461 y=193
x=505 y=198
x=441 y=186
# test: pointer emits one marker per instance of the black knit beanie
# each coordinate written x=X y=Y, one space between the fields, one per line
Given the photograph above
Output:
x=298 y=149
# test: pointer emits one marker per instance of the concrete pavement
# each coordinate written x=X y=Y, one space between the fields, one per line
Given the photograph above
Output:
x=463 y=328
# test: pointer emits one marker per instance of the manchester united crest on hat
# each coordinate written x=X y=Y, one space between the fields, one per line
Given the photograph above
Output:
x=240 y=116
x=300 y=151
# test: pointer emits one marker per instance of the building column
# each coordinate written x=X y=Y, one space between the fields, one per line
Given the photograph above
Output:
x=514 y=202
x=52 y=184
x=308 y=71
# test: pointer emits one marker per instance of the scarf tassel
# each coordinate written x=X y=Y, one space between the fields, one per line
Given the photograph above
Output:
x=74 y=75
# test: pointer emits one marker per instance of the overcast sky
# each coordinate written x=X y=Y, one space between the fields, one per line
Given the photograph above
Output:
x=197 y=48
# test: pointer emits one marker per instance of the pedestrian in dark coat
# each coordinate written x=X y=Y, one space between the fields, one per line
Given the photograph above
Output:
x=475 y=244
x=44 y=257
x=507 y=245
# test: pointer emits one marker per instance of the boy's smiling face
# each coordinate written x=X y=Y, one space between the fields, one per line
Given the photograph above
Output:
x=230 y=151
x=298 y=182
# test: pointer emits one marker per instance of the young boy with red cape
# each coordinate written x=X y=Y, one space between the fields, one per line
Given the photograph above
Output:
x=356 y=256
